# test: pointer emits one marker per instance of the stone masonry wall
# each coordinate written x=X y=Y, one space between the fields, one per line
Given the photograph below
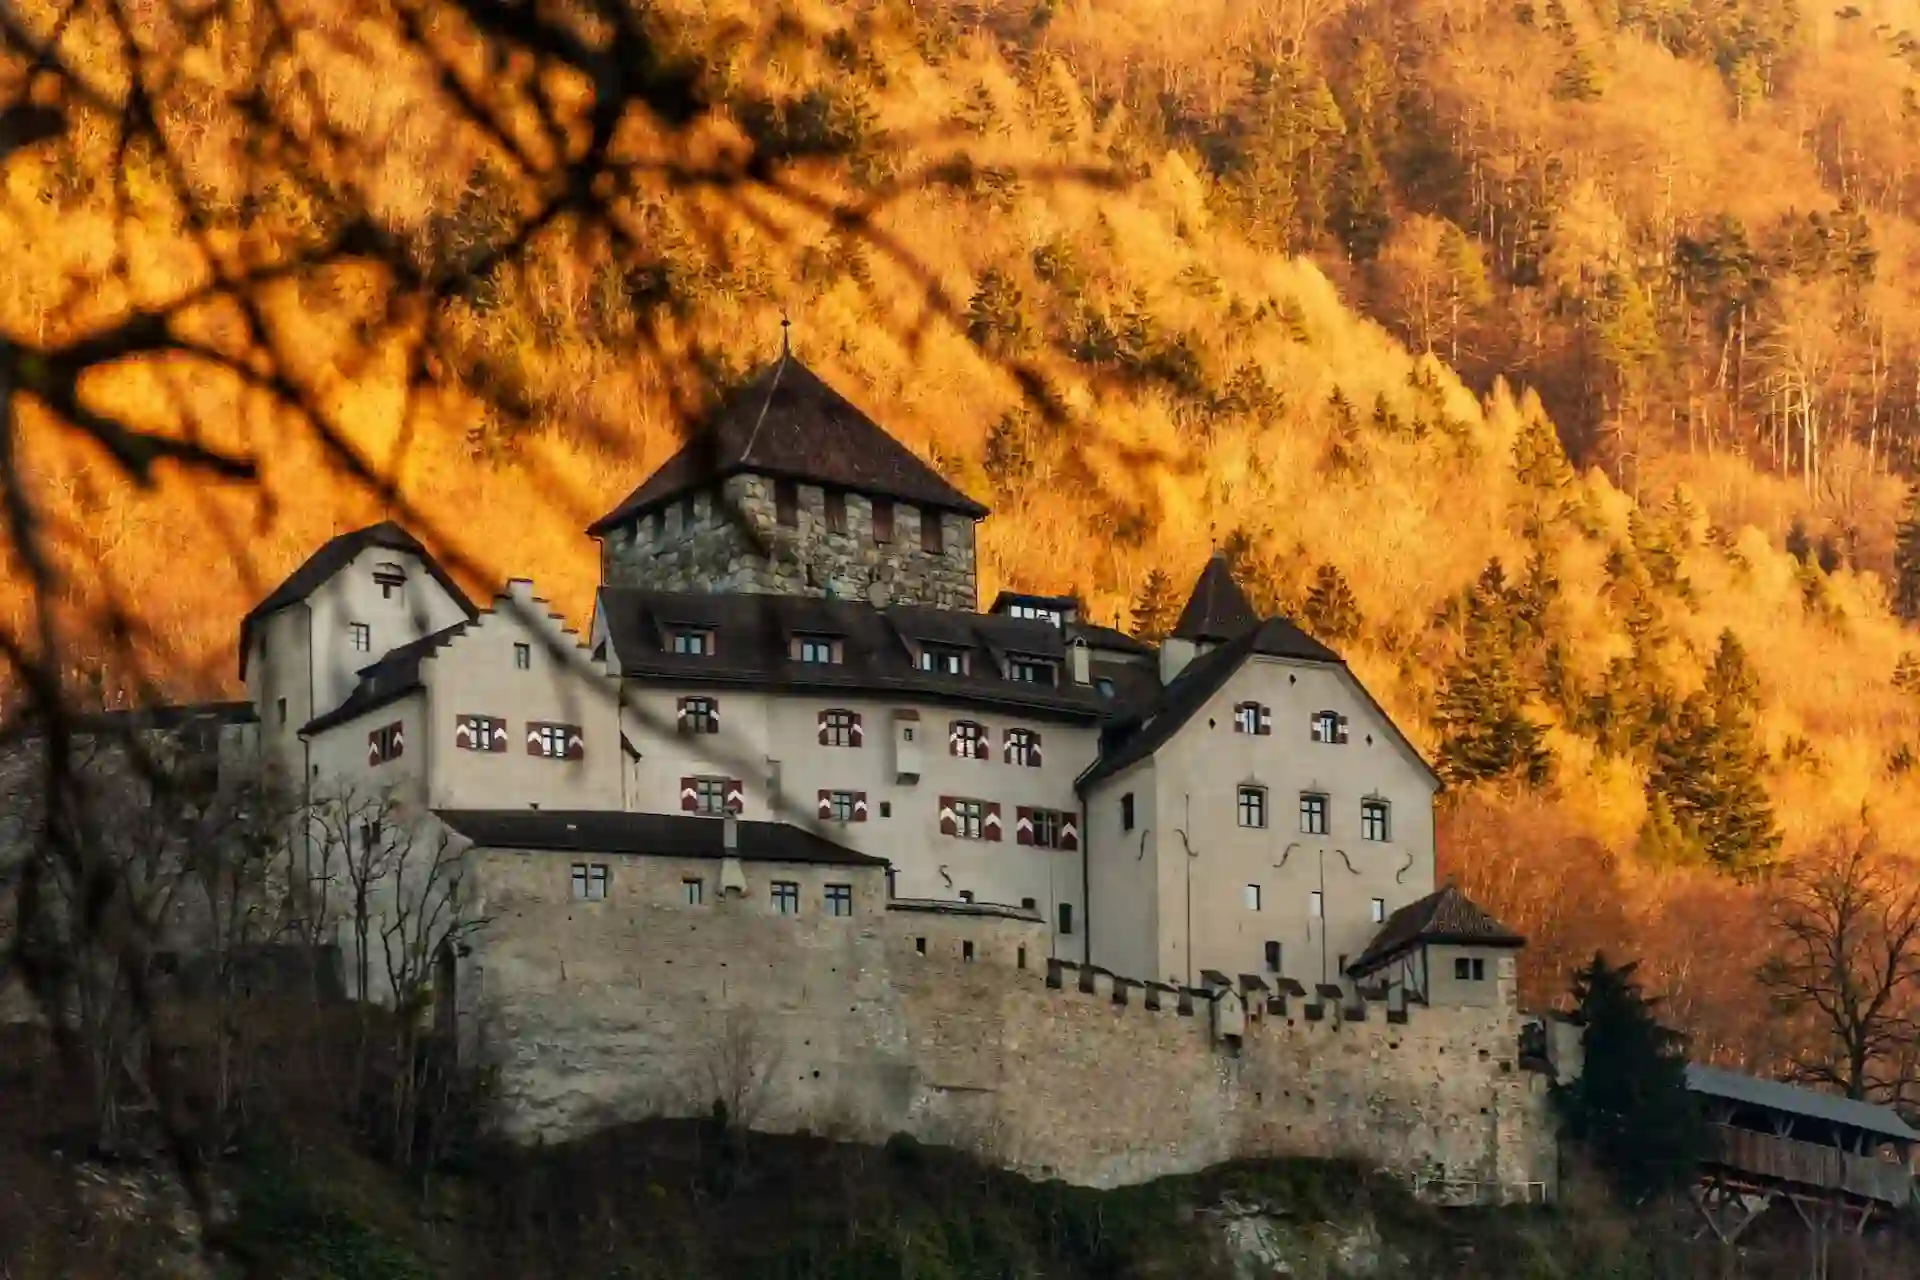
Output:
x=716 y=554
x=608 y=1011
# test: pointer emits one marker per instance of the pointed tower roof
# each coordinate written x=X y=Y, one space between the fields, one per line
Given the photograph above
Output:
x=1218 y=610
x=787 y=422
x=1445 y=916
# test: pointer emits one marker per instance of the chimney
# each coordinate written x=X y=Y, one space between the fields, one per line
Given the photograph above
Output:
x=1078 y=662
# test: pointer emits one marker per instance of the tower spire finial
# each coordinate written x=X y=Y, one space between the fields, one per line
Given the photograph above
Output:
x=785 y=325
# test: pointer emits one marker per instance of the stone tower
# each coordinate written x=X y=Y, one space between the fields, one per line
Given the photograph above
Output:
x=789 y=489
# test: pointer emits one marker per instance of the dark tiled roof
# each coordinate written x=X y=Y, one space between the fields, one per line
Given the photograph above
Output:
x=666 y=835
x=1218 y=609
x=751 y=635
x=1099 y=637
x=1444 y=916
x=1151 y=725
x=333 y=556
x=787 y=422
x=386 y=680
x=1731 y=1086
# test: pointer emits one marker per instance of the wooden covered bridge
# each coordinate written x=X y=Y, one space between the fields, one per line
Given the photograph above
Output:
x=1834 y=1161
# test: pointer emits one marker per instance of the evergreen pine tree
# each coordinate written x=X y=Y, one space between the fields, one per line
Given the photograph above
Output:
x=1630 y=1106
x=1331 y=612
x=1579 y=78
x=1707 y=770
x=1155 y=608
x=1360 y=215
x=1906 y=558
x=1480 y=711
x=1731 y=683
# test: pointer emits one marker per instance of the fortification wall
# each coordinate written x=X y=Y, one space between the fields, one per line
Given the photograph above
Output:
x=599 y=1015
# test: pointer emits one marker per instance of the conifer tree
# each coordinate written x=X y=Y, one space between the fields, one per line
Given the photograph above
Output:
x=1579 y=78
x=1360 y=215
x=1707 y=770
x=1630 y=1106
x=1906 y=558
x=1480 y=712
x=1155 y=608
x=1331 y=612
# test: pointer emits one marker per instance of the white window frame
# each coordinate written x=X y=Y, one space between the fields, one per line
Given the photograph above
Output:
x=1250 y=897
x=1246 y=717
x=702 y=715
x=1251 y=802
x=1024 y=670
x=970 y=819
x=1047 y=827
x=1376 y=816
x=1316 y=905
x=973 y=740
x=552 y=739
x=840 y=806
x=693 y=891
x=817 y=650
x=1315 y=814
x=1377 y=910
x=701 y=789
x=838 y=725
x=942 y=660
x=591 y=881
x=690 y=642
x=1024 y=746
x=522 y=656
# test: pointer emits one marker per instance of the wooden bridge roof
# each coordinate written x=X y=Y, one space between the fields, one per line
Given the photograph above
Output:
x=1771 y=1095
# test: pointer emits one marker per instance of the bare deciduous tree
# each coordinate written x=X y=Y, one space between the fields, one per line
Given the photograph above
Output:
x=1847 y=961
x=741 y=1062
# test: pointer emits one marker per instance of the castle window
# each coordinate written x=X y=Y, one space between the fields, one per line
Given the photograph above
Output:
x=1126 y=812
x=1022 y=748
x=1046 y=829
x=920 y=945
x=969 y=819
x=1273 y=957
x=967 y=740
x=555 y=741
x=390 y=578
x=1373 y=820
x=386 y=743
x=930 y=531
x=786 y=897
x=1029 y=904
x=693 y=891
x=1252 y=897
x=1066 y=917
x=966 y=952
x=1251 y=717
x=1020 y=958
x=1377 y=910
x=839 y=899
x=1253 y=806
x=836 y=509
x=1103 y=686
x=709 y=795
x=480 y=733
x=943 y=660
x=786 y=502
x=1469 y=969
x=522 y=656
x=590 y=881
x=280 y=709
x=1329 y=727
x=840 y=728
x=689 y=512
x=1030 y=671
x=842 y=806
x=1316 y=904
x=699 y=715
x=361 y=636
x=883 y=520
x=966 y=895
x=691 y=643
x=1313 y=813
x=822 y=649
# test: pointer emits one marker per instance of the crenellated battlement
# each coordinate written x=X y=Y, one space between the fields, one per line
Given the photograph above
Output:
x=1260 y=997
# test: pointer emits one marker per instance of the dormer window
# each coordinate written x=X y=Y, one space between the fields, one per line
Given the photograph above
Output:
x=1329 y=727
x=390 y=578
x=943 y=660
x=822 y=649
x=1025 y=670
x=690 y=642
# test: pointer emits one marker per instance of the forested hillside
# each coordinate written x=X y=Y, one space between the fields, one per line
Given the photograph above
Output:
x=1556 y=360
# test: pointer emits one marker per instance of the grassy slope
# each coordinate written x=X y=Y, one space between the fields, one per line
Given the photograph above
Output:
x=1411 y=524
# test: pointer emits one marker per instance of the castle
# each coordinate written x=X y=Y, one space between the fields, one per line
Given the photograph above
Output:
x=796 y=825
